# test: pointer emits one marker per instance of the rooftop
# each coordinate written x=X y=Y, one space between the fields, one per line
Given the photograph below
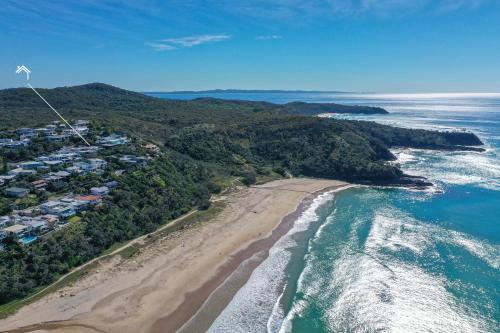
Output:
x=15 y=228
x=88 y=197
x=17 y=190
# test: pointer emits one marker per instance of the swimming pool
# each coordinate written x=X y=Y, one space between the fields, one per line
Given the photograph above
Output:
x=28 y=239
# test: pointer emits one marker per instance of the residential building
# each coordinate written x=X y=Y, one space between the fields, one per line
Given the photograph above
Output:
x=58 y=137
x=22 y=172
x=39 y=185
x=8 y=177
x=37 y=226
x=83 y=166
x=73 y=170
x=112 y=184
x=83 y=130
x=58 y=208
x=4 y=220
x=152 y=147
x=51 y=178
x=43 y=168
x=30 y=165
x=63 y=157
x=17 y=192
x=91 y=199
x=112 y=140
x=101 y=191
x=17 y=144
x=49 y=206
x=50 y=219
x=77 y=205
x=44 y=131
x=30 y=212
x=62 y=174
x=64 y=211
x=17 y=230
x=28 y=132
x=84 y=150
x=53 y=163
x=6 y=142
x=131 y=159
x=97 y=163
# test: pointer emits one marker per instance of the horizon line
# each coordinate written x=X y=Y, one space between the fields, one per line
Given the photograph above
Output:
x=222 y=91
x=236 y=90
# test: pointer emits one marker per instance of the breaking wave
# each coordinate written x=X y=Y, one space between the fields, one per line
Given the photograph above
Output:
x=382 y=287
x=255 y=307
x=459 y=168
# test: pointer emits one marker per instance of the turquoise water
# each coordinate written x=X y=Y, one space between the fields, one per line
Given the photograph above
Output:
x=391 y=260
x=28 y=239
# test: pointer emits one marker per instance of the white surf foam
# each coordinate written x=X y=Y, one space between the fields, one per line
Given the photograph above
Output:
x=371 y=291
x=255 y=307
x=458 y=168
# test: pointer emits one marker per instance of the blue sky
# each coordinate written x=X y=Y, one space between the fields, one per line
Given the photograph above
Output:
x=348 y=45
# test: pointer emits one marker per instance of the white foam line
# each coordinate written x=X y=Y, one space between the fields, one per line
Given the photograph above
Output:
x=276 y=309
x=50 y=106
x=256 y=305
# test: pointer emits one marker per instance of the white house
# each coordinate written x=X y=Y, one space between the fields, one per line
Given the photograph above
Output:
x=17 y=230
x=17 y=192
x=49 y=206
x=97 y=163
x=30 y=165
x=22 y=172
x=103 y=190
x=4 y=220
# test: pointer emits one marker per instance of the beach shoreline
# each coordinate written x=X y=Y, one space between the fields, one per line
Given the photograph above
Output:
x=162 y=294
x=248 y=259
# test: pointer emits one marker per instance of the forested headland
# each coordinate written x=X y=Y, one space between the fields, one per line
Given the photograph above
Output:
x=202 y=142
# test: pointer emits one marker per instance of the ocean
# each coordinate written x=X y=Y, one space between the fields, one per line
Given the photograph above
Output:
x=387 y=259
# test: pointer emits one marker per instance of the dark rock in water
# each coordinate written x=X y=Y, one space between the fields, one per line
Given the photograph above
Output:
x=416 y=182
x=466 y=148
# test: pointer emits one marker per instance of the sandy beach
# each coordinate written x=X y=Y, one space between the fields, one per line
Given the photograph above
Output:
x=168 y=281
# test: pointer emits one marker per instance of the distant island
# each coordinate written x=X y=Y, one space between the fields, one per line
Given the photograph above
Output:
x=244 y=91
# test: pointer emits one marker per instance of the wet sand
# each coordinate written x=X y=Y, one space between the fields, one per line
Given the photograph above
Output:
x=161 y=288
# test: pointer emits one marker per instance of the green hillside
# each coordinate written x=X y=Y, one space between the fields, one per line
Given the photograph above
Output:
x=238 y=136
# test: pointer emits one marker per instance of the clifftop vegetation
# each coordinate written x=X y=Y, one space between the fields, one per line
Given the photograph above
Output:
x=235 y=137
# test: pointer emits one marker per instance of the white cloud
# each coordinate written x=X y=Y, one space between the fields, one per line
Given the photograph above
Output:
x=268 y=37
x=312 y=9
x=451 y=5
x=161 y=47
x=189 y=41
